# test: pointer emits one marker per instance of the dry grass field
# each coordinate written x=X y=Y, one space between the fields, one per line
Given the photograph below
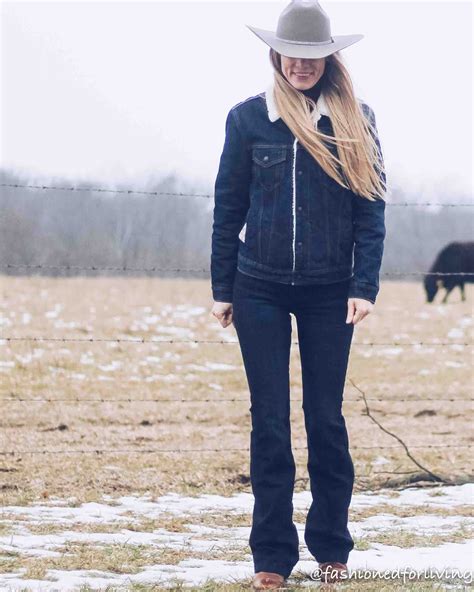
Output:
x=171 y=414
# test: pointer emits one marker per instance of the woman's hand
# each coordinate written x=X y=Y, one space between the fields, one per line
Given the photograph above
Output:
x=357 y=309
x=223 y=312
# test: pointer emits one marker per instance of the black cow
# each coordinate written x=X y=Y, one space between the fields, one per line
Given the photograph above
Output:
x=455 y=257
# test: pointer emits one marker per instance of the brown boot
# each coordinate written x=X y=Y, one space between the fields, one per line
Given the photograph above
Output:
x=331 y=572
x=266 y=580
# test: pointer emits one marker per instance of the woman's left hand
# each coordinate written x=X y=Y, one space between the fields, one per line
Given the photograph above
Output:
x=357 y=309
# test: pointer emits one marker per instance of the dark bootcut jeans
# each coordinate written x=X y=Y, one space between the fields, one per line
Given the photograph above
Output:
x=261 y=315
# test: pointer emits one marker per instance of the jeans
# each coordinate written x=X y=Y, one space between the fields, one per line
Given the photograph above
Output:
x=261 y=316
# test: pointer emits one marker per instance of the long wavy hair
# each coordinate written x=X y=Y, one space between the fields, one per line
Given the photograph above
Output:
x=358 y=165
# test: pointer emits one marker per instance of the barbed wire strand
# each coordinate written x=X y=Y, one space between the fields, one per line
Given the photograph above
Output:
x=199 y=270
x=214 y=400
x=183 y=450
x=185 y=194
x=221 y=341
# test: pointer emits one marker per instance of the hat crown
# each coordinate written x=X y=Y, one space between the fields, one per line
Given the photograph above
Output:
x=304 y=21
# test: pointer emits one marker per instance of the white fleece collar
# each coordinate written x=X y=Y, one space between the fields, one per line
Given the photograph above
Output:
x=273 y=115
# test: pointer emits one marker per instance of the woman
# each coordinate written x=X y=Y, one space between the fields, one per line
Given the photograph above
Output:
x=299 y=228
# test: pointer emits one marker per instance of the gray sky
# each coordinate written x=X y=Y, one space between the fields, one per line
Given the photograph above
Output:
x=118 y=91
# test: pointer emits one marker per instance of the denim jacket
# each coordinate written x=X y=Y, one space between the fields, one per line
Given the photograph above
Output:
x=279 y=216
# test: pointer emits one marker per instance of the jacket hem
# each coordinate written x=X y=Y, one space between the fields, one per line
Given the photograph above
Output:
x=297 y=277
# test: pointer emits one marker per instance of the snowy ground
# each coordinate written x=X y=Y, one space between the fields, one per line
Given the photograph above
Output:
x=201 y=539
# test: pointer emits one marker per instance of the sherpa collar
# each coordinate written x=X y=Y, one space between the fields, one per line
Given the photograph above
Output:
x=273 y=115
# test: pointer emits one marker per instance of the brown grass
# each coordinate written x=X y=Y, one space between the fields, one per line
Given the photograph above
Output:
x=118 y=308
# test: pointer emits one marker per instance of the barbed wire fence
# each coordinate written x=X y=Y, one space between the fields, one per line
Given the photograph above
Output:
x=182 y=450
x=46 y=399
x=202 y=270
x=187 y=194
x=221 y=341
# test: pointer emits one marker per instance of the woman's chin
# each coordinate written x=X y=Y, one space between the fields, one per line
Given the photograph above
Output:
x=301 y=84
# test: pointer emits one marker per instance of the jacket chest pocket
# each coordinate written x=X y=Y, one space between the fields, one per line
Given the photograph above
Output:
x=269 y=166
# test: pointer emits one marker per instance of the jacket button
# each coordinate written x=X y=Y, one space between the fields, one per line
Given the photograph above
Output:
x=299 y=208
x=300 y=172
x=265 y=158
x=300 y=243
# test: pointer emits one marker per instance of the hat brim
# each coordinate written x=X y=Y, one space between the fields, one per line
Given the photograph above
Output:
x=296 y=50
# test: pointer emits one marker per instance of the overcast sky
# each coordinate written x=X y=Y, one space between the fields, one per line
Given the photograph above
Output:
x=116 y=91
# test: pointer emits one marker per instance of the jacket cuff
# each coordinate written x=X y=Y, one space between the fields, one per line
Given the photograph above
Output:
x=221 y=294
x=363 y=290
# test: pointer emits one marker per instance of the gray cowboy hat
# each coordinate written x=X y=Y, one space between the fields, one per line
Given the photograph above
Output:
x=304 y=31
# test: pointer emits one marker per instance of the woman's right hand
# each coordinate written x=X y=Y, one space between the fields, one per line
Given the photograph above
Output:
x=223 y=312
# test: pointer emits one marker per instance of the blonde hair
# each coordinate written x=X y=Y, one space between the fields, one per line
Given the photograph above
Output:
x=354 y=133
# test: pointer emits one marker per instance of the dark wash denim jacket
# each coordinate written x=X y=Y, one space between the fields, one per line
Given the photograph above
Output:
x=278 y=216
